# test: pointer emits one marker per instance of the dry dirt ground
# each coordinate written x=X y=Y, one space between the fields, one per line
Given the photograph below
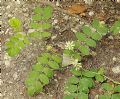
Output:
x=14 y=70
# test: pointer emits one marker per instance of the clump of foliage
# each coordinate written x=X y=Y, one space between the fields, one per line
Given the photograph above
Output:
x=41 y=72
x=40 y=22
x=87 y=39
x=115 y=29
x=78 y=86
x=18 y=41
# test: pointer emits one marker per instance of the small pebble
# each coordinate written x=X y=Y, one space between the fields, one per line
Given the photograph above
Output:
x=116 y=69
x=15 y=76
x=114 y=59
x=91 y=13
x=7 y=63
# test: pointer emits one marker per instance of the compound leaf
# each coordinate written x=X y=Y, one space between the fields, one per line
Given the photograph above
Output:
x=84 y=50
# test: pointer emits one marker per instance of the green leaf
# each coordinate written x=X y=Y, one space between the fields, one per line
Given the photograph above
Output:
x=68 y=97
x=76 y=55
x=13 y=51
x=35 y=25
x=47 y=12
x=44 y=79
x=81 y=36
x=73 y=80
x=46 y=55
x=116 y=27
x=83 y=88
x=33 y=74
x=87 y=30
x=88 y=82
x=40 y=26
x=102 y=30
x=90 y=42
x=84 y=50
x=38 y=67
x=46 y=26
x=71 y=88
x=15 y=23
x=76 y=72
x=99 y=78
x=37 y=17
x=107 y=87
x=21 y=44
x=35 y=88
x=56 y=58
x=29 y=81
x=26 y=40
x=31 y=91
x=96 y=23
x=35 y=35
x=101 y=71
x=48 y=72
x=117 y=88
x=105 y=96
x=115 y=96
x=46 y=34
x=82 y=96
x=96 y=36
x=53 y=65
x=38 y=10
x=68 y=52
x=88 y=73
x=42 y=60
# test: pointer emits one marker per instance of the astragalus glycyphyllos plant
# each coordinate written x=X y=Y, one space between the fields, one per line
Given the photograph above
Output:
x=41 y=72
x=82 y=81
x=88 y=38
x=79 y=85
x=40 y=22
x=19 y=40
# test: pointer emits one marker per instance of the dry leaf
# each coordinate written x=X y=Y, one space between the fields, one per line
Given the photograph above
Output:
x=77 y=9
x=101 y=16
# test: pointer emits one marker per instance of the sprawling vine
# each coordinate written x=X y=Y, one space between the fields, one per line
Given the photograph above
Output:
x=77 y=86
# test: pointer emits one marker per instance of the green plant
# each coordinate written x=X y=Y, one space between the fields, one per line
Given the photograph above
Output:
x=79 y=85
x=87 y=39
x=112 y=92
x=18 y=41
x=41 y=72
x=115 y=29
x=16 y=24
x=40 y=22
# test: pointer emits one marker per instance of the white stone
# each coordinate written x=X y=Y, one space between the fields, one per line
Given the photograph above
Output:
x=31 y=30
x=72 y=29
x=66 y=17
x=89 y=1
x=1 y=95
x=114 y=58
x=1 y=82
x=15 y=75
x=67 y=60
x=118 y=1
x=8 y=7
x=7 y=63
x=91 y=13
x=116 y=69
